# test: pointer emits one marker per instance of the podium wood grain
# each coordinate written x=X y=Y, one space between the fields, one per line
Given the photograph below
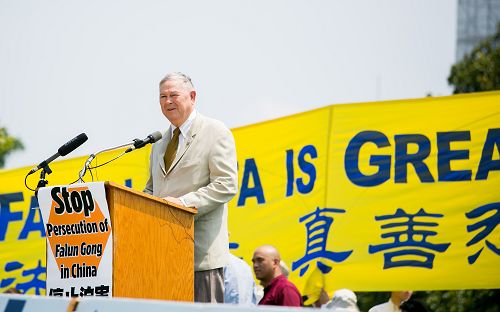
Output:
x=153 y=246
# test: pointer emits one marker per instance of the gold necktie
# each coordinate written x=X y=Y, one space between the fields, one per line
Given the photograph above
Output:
x=169 y=156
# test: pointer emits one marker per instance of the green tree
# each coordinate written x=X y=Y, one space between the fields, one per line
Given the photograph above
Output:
x=484 y=300
x=480 y=69
x=8 y=144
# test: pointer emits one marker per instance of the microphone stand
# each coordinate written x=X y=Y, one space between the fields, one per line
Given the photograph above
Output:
x=92 y=156
x=43 y=182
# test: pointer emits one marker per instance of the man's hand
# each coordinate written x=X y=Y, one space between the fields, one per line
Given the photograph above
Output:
x=174 y=200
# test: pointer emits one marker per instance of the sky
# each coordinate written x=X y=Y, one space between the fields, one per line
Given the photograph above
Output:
x=68 y=67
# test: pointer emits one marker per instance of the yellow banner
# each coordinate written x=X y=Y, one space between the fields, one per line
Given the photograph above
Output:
x=374 y=196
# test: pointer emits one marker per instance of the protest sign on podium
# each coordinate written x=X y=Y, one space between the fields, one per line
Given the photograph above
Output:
x=104 y=239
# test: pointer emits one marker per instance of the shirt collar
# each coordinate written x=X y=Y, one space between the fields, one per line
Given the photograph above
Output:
x=186 y=126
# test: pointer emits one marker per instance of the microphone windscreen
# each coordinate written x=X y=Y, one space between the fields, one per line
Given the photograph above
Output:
x=156 y=136
x=72 y=144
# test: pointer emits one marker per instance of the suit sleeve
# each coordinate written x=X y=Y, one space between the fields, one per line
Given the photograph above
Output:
x=223 y=183
x=148 y=189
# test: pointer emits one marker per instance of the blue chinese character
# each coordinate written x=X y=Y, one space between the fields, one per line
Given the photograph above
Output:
x=411 y=242
x=35 y=282
x=317 y=233
x=488 y=225
x=9 y=267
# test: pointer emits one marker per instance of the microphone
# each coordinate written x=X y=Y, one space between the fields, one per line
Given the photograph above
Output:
x=64 y=150
x=152 y=138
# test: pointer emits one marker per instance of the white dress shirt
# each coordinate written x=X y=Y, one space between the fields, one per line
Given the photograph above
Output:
x=385 y=307
x=184 y=130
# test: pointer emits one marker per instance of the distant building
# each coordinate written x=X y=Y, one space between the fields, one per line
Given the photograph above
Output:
x=476 y=20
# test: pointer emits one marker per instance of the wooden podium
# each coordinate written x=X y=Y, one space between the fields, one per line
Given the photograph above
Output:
x=153 y=246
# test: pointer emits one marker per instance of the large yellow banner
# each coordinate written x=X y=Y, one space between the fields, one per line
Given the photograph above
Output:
x=374 y=196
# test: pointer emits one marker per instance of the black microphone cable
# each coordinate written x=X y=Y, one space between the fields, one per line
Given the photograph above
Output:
x=26 y=183
x=152 y=138
x=97 y=166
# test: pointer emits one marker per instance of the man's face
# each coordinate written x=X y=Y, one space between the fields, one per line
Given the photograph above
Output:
x=263 y=265
x=176 y=101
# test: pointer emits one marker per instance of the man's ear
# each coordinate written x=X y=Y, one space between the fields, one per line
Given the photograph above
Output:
x=192 y=94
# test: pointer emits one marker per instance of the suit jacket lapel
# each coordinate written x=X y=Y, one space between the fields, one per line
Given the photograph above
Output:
x=195 y=127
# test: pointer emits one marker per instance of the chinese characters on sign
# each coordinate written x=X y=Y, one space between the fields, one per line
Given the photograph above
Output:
x=34 y=280
x=414 y=238
x=99 y=291
x=487 y=225
x=317 y=229
x=409 y=239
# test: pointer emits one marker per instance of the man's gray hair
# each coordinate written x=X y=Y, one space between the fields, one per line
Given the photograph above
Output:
x=284 y=268
x=185 y=79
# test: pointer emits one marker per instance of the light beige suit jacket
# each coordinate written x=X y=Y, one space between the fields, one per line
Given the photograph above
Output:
x=204 y=175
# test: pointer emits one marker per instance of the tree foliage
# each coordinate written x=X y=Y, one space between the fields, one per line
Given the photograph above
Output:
x=8 y=144
x=484 y=300
x=480 y=69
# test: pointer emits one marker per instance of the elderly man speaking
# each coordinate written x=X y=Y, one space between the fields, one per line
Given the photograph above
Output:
x=194 y=164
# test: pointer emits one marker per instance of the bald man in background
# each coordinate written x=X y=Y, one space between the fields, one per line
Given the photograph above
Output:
x=278 y=290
